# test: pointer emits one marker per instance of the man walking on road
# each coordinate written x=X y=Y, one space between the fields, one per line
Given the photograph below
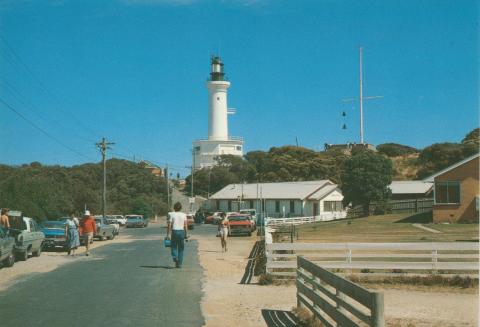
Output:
x=177 y=232
x=89 y=229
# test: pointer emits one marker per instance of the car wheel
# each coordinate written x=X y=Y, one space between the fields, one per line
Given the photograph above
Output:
x=9 y=261
x=102 y=238
x=22 y=256
x=38 y=252
x=111 y=237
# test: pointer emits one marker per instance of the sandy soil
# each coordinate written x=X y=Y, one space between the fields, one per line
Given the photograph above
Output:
x=225 y=301
x=228 y=303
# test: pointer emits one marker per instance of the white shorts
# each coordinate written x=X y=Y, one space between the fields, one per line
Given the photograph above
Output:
x=224 y=232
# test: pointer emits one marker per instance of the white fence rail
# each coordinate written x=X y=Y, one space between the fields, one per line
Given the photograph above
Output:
x=391 y=258
x=327 y=216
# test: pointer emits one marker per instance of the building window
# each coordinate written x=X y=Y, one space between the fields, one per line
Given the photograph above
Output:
x=292 y=206
x=447 y=193
x=277 y=206
x=218 y=99
x=229 y=205
x=217 y=203
x=331 y=206
x=250 y=203
x=239 y=148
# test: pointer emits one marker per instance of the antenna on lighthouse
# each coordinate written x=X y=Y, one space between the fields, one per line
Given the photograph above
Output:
x=361 y=98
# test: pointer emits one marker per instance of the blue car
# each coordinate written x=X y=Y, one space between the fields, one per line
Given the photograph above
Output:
x=55 y=234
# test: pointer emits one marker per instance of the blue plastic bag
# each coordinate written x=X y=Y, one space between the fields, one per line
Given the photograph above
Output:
x=167 y=242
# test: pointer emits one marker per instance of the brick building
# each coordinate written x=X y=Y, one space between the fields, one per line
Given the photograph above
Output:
x=456 y=192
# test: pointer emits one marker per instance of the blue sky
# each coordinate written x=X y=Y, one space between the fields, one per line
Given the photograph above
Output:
x=134 y=71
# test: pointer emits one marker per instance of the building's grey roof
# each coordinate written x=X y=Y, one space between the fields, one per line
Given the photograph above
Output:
x=285 y=190
x=441 y=172
x=324 y=191
x=410 y=187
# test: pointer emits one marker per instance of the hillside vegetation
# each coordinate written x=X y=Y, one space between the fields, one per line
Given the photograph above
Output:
x=291 y=163
x=49 y=192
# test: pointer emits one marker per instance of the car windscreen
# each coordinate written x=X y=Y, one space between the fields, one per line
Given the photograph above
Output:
x=53 y=224
x=249 y=212
x=134 y=218
x=238 y=218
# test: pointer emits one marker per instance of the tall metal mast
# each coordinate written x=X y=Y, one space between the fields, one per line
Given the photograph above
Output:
x=361 y=98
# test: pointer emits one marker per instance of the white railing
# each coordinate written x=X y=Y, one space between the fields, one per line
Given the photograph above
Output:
x=327 y=216
x=380 y=258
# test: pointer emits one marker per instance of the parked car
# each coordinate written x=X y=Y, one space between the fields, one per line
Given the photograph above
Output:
x=136 y=221
x=190 y=221
x=55 y=234
x=115 y=224
x=214 y=218
x=7 y=244
x=28 y=235
x=253 y=216
x=240 y=224
x=104 y=230
x=121 y=220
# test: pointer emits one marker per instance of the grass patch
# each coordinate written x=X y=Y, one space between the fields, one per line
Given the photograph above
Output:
x=305 y=318
x=384 y=228
x=265 y=279
x=430 y=280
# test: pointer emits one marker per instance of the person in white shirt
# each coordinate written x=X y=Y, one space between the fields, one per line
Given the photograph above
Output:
x=177 y=233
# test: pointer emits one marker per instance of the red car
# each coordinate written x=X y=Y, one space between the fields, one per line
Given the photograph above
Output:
x=240 y=224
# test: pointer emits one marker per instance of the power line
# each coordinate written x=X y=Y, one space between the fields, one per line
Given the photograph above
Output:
x=42 y=130
x=16 y=94
x=42 y=86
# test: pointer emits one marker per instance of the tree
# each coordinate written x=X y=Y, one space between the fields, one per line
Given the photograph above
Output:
x=395 y=150
x=472 y=137
x=50 y=192
x=366 y=178
x=441 y=155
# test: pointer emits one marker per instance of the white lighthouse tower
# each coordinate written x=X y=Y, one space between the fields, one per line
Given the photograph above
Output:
x=219 y=141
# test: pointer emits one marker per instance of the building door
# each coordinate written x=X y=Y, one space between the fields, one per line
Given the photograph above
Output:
x=315 y=209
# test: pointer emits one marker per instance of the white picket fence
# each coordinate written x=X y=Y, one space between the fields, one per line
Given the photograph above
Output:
x=327 y=216
x=381 y=258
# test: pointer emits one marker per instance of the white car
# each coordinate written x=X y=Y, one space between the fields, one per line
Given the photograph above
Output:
x=120 y=219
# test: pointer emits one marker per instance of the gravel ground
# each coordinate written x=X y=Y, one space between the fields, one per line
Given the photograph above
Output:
x=228 y=303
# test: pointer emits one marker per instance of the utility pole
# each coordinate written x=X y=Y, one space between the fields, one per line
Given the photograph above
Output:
x=103 y=146
x=168 y=186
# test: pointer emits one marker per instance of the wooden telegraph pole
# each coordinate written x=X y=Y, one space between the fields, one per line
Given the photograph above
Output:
x=103 y=146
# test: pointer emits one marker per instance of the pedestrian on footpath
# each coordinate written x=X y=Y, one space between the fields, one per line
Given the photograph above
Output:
x=224 y=230
x=89 y=229
x=177 y=233
x=4 y=218
x=73 y=239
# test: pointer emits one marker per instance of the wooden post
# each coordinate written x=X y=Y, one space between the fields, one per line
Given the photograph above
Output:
x=299 y=303
x=378 y=319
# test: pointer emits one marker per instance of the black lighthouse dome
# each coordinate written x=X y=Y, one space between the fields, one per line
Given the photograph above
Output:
x=217 y=73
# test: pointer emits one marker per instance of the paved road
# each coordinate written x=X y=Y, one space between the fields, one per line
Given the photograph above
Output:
x=123 y=284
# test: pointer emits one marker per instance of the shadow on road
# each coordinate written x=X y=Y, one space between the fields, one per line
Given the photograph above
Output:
x=250 y=268
x=158 y=267
x=279 y=318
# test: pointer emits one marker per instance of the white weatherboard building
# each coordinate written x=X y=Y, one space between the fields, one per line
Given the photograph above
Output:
x=322 y=199
x=218 y=142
